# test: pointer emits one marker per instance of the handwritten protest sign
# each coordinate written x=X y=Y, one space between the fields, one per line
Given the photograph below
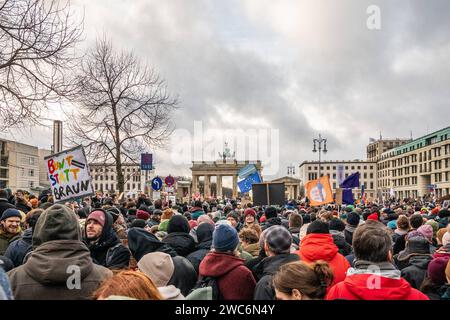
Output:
x=69 y=176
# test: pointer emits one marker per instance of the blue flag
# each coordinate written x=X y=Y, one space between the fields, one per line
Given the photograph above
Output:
x=246 y=184
x=347 y=196
x=352 y=181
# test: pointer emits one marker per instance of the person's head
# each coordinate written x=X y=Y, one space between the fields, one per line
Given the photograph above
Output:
x=403 y=223
x=233 y=218
x=34 y=203
x=318 y=226
x=427 y=232
x=336 y=224
x=167 y=214
x=250 y=215
x=225 y=238
x=301 y=281
x=372 y=242
x=295 y=220
x=437 y=270
x=3 y=194
x=142 y=214
x=32 y=217
x=416 y=220
x=178 y=223
x=440 y=234
x=10 y=221
x=248 y=236
x=353 y=219
x=158 y=266
x=95 y=223
x=278 y=240
x=132 y=284
x=270 y=212
x=56 y=223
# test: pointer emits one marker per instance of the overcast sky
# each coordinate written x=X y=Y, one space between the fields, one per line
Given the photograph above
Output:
x=300 y=67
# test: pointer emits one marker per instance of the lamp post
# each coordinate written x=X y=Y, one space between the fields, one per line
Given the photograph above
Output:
x=324 y=150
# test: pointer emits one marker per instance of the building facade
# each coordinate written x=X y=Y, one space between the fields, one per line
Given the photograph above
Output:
x=104 y=178
x=19 y=166
x=377 y=147
x=368 y=173
x=417 y=168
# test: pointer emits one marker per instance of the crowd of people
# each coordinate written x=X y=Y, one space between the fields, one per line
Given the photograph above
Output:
x=108 y=248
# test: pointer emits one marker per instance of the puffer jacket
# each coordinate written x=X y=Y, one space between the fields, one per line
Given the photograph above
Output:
x=319 y=246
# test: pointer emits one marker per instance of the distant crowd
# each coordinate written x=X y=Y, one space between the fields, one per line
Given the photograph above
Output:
x=102 y=247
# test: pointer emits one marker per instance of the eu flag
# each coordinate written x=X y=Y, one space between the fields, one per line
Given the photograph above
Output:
x=352 y=181
x=246 y=184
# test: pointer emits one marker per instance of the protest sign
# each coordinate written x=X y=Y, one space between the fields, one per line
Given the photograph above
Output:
x=68 y=173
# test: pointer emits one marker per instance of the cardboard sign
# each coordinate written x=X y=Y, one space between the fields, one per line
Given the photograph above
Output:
x=69 y=176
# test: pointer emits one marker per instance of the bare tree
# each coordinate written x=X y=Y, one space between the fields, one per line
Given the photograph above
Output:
x=36 y=42
x=123 y=108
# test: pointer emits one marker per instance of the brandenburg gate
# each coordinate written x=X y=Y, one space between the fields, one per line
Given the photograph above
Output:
x=226 y=166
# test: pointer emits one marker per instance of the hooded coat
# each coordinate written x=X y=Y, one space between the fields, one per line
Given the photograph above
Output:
x=204 y=236
x=46 y=275
x=416 y=272
x=108 y=250
x=266 y=269
x=320 y=246
x=178 y=236
x=276 y=221
x=387 y=285
x=141 y=242
x=234 y=279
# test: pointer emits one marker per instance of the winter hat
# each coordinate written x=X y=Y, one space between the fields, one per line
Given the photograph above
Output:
x=446 y=239
x=138 y=223
x=392 y=224
x=98 y=216
x=141 y=214
x=114 y=212
x=34 y=202
x=435 y=211
x=353 y=218
x=178 y=223
x=249 y=211
x=56 y=223
x=9 y=213
x=414 y=234
x=436 y=270
x=225 y=238
x=278 y=239
x=205 y=232
x=373 y=216
x=158 y=266
x=427 y=231
x=434 y=224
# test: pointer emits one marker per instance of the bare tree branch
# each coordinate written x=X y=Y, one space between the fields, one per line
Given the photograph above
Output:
x=37 y=38
x=123 y=107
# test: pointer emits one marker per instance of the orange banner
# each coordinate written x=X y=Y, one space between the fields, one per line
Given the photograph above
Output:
x=319 y=191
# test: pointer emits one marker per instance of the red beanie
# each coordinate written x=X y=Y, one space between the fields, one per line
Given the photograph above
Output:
x=250 y=211
x=373 y=216
x=141 y=214
x=98 y=216
x=192 y=224
x=262 y=219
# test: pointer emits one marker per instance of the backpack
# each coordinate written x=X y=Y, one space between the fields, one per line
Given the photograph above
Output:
x=206 y=288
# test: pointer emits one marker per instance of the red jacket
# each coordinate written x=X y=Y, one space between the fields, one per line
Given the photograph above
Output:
x=359 y=287
x=234 y=279
x=320 y=246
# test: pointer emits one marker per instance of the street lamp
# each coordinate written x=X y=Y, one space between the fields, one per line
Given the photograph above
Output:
x=324 y=150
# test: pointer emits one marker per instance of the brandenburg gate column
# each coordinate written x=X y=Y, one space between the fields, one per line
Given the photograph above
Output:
x=194 y=183
x=235 y=192
x=207 y=186
x=219 y=186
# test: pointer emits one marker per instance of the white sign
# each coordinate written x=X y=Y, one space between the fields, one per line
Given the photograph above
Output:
x=156 y=195
x=173 y=199
x=340 y=174
x=69 y=176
